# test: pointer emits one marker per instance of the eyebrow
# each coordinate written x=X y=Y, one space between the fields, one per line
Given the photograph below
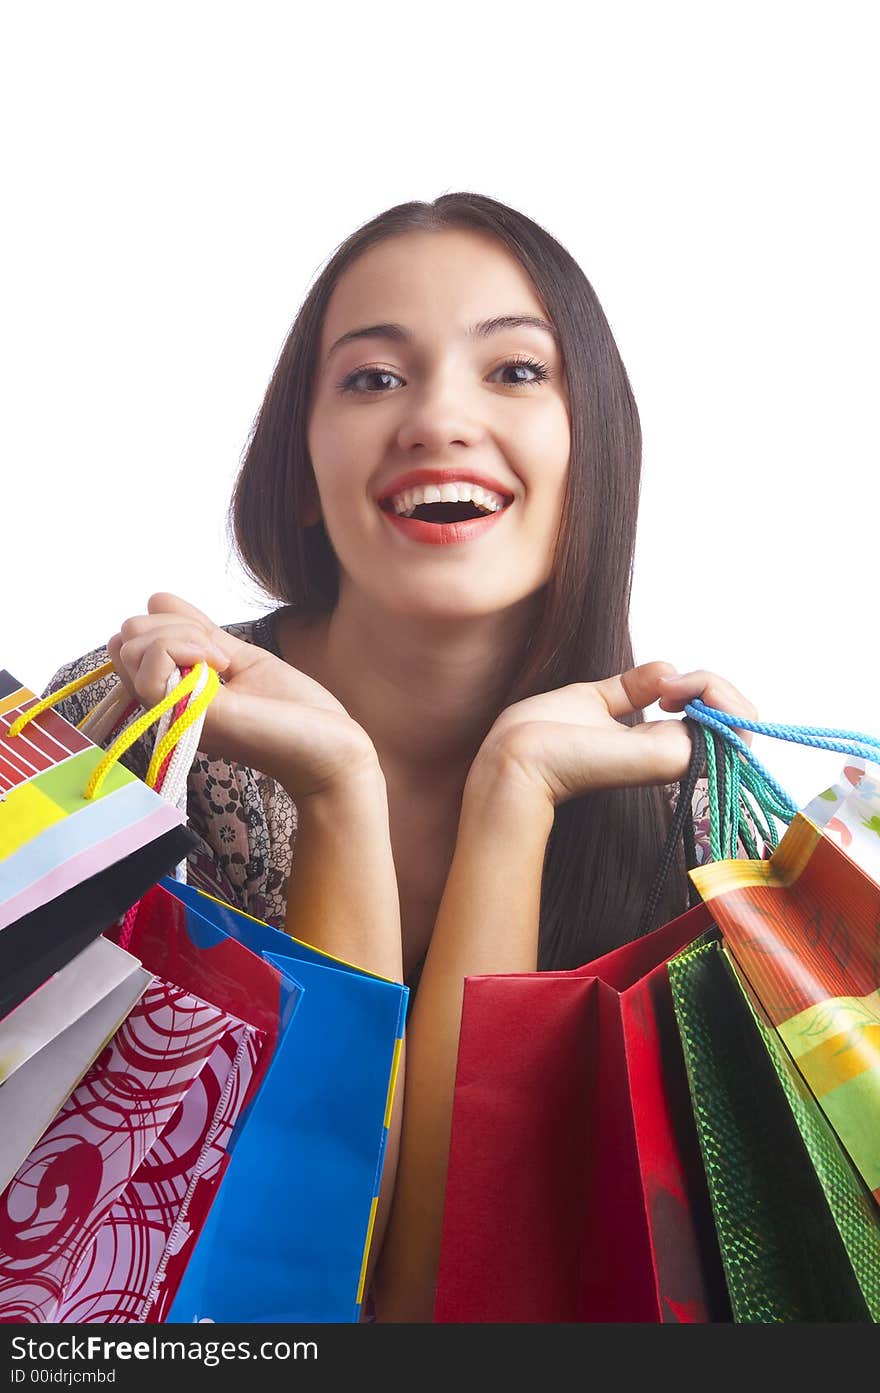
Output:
x=481 y=330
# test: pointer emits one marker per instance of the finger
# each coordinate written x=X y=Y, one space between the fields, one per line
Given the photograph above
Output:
x=114 y=644
x=173 y=628
x=680 y=688
x=157 y=666
x=635 y=689
x=154 y=668
x=163 y=602
x=656 y=753
x=238 y=653
x=711 y=689
x=150 y=660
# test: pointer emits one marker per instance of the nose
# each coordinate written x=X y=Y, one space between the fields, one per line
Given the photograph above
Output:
x=436 y=418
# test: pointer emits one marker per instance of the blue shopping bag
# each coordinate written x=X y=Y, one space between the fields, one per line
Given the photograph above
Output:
x=287 y=1238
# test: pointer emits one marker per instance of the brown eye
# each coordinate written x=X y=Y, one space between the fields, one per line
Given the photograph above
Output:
x=541 y=371
x=348 y=383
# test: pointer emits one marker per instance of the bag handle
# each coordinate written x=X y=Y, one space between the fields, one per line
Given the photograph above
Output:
x=748 y=775
x=726 y=803
x=681 y=827
x=851 y=742
x=184 y=719
x=181 y=716
x=736 y=789
x=115 y=707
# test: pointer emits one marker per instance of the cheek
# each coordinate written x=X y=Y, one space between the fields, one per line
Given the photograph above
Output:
x=548 y=489
x=342 y=463
x=548 y=501
x=544 y=446
x=333 y=443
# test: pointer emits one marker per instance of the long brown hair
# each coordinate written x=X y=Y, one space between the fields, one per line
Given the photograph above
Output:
x=604 y=847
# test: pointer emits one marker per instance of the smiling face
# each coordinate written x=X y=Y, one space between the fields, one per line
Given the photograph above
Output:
x=431 y=398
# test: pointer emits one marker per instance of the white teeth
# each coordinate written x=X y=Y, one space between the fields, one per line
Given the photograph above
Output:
x=406 y=503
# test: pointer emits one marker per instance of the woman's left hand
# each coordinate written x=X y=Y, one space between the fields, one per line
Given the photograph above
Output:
x=569 y=742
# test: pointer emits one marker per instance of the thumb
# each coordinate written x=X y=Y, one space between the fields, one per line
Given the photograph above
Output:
x=634 y=689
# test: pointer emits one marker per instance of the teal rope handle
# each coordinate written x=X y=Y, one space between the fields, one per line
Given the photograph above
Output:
x=764 y=804
x=747 y=838
x=714 y=815
x=819 y=737
x=724 y=822
x=732 y=799
x=748 y=785
x=707 y=715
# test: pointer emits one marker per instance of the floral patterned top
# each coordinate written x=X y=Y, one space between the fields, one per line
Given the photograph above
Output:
x=245 y=821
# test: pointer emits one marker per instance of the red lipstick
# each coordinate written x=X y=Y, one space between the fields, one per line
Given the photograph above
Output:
x=444 y=534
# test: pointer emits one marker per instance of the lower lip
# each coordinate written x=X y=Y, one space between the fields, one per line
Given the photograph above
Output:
x=445 y=534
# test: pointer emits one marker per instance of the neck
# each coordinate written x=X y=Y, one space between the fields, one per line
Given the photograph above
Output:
x=426 y=690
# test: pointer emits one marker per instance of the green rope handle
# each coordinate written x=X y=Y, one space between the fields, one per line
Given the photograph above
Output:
x=746 y=795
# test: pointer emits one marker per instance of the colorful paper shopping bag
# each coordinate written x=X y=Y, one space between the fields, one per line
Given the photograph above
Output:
x=289 y=1234
x=61 y=1001
x=849 y=813
x=804 y=930
x=70 y=864
x=33 y=1094
x=185 y=949
x=89 y=1214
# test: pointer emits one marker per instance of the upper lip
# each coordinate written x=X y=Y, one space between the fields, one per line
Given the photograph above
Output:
x=413 y=477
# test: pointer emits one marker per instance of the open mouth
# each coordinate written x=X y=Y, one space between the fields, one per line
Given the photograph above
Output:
x=442 y=512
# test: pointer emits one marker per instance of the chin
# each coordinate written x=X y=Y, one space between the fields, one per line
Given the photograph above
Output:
x=454 y=609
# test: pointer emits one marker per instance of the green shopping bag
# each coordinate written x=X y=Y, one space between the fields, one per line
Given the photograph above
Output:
x=797 y=1227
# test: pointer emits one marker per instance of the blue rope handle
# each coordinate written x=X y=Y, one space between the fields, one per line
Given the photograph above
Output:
x=819 y=737
x=801 y=735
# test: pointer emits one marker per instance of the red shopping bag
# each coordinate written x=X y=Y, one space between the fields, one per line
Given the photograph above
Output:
x=86 y=1219
x=226 y=973
x=575 y=1188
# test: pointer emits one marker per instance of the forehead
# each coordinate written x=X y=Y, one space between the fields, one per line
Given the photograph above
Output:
x=430 y=280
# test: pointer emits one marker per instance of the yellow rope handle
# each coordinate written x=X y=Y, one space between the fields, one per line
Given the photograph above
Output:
x=137 y=728
x=21 y=721
x=190 y=715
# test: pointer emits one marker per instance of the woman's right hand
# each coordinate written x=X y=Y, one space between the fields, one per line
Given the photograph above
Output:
x=266 y=714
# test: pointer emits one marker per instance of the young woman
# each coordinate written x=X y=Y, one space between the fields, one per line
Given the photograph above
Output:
x=431 y=759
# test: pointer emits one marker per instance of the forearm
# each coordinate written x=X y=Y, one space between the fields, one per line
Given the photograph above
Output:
x=487 y=922
x=342 y=894
x=343 y=899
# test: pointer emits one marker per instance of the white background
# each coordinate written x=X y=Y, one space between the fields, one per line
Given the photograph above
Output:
x=175 y=175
